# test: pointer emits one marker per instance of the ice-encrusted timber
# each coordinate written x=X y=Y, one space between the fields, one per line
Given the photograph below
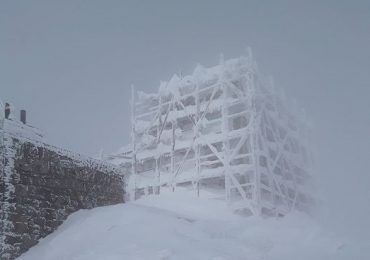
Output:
x=222 y=128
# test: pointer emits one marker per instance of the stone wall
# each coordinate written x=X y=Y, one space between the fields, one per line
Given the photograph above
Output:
x=41 y=185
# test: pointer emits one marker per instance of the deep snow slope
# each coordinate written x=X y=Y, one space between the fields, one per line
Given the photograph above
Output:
x=181 y=226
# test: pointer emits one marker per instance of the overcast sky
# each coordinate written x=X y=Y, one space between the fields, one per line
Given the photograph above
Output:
x=71 y=63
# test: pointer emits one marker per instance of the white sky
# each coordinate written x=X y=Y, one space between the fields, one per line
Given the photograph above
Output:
x=70 y=64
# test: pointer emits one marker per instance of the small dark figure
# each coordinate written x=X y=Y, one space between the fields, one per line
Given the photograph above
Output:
x=7 y=110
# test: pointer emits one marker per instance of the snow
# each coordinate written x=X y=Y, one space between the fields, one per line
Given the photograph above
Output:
x=23 y=131
x=9 y=189
x=182 y=226
x=26 y=133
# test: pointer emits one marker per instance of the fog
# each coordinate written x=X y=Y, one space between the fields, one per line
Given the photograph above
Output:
x=70 y=64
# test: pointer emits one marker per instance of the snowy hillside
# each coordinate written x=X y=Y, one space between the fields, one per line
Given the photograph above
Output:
x=180 y=226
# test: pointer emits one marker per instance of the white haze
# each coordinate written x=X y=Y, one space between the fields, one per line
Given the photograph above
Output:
x=70 y=64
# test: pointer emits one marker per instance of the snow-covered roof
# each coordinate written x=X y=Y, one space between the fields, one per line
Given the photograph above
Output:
x=27 y=133
x=20 y=130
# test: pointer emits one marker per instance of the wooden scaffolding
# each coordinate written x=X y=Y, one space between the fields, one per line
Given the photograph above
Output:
x=222 y=128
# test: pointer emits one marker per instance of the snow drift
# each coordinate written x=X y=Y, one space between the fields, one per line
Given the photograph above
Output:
x=181 y=226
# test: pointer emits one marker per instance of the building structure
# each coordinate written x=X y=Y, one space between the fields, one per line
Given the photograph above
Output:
x=223 y=129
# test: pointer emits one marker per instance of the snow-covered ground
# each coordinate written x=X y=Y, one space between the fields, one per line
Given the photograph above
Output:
x=181 y=226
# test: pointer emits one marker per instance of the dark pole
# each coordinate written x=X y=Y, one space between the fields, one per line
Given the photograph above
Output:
x=23 y=116
x=7 y=110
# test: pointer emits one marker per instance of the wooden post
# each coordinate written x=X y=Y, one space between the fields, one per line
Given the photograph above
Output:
x=158 y=158
x=173 y=143
x=133 y=142
x=197 y=148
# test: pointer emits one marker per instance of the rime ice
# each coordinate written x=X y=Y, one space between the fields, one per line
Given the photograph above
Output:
x=223 y=129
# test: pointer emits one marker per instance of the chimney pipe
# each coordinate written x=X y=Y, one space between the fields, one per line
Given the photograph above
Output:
x=23 y=116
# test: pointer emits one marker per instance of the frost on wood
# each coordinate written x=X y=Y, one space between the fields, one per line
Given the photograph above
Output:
x=224 y=129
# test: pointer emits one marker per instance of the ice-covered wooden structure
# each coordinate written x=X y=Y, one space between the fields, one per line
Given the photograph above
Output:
x=225 y=129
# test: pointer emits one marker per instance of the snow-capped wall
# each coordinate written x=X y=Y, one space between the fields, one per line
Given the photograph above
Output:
x=40 y=185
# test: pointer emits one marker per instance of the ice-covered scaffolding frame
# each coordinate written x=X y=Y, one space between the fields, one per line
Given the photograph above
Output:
x=222 y=128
